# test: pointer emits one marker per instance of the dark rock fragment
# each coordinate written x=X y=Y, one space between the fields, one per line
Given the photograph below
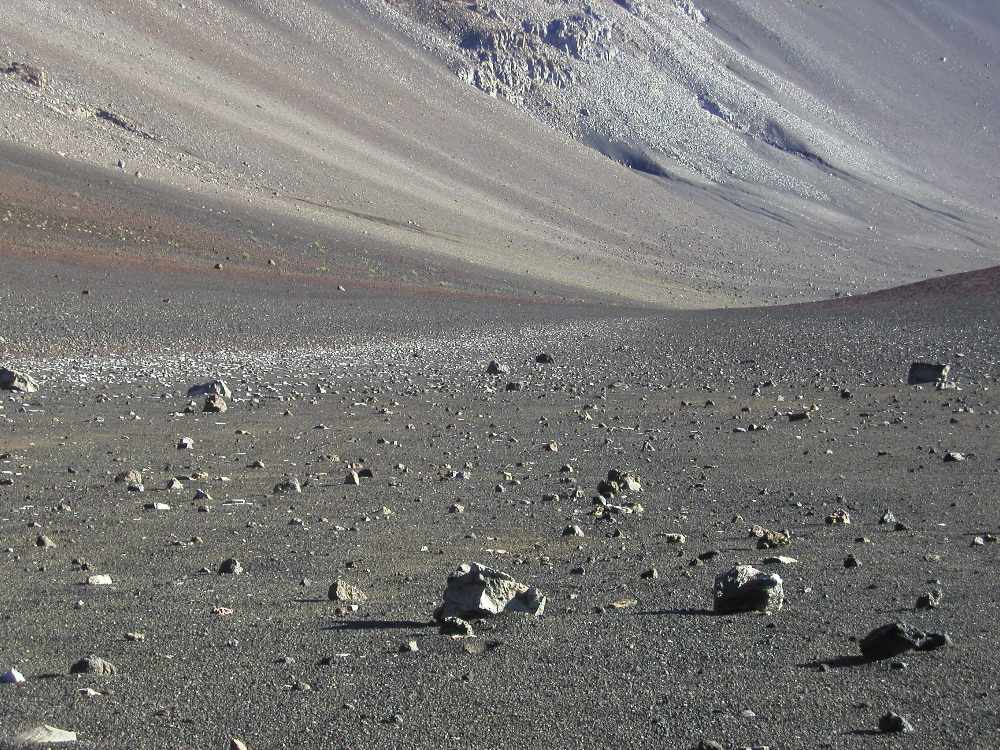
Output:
x=895 y=638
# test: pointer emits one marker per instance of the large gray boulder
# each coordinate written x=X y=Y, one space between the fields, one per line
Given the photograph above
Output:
x=475 y=591
x=12 y=380
x=746 y=589
x=211 y=388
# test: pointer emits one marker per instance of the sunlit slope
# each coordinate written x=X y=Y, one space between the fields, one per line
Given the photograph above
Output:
x=362 y=120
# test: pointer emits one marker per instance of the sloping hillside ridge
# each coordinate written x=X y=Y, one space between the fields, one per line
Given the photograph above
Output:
x=752 y=159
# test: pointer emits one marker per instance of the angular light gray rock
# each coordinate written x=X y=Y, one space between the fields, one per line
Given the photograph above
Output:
x=93 y=665
x=45 y=734
x=342 y=591
x=617 y=482
x=19 y=382
x=476 y=591
x=100 y=579
x=746 y=589
x=211 y=388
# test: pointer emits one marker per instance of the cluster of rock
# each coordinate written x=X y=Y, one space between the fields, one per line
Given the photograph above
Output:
x=511 y=61
x=613 y=495
x=581 y=35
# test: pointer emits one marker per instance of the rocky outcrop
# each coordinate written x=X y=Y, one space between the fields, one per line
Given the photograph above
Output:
x=30 y=74
x=511 y=61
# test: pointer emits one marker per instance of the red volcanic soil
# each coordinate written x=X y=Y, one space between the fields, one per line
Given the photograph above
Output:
x=57 y=211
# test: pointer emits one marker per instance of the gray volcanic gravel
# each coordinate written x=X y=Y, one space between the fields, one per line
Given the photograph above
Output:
x=619 y=656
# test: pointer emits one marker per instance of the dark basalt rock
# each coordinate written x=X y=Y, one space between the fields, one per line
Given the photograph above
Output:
x=895 y=638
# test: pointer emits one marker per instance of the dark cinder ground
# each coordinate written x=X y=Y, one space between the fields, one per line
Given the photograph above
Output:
x=664 y=672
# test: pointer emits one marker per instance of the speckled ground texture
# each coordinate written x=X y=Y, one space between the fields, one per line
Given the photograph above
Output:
x=333 y=216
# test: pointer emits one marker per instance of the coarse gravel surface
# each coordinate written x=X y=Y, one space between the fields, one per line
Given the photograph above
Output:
x=667 y=396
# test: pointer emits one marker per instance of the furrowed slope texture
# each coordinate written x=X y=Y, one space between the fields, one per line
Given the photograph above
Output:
x=759 y=151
